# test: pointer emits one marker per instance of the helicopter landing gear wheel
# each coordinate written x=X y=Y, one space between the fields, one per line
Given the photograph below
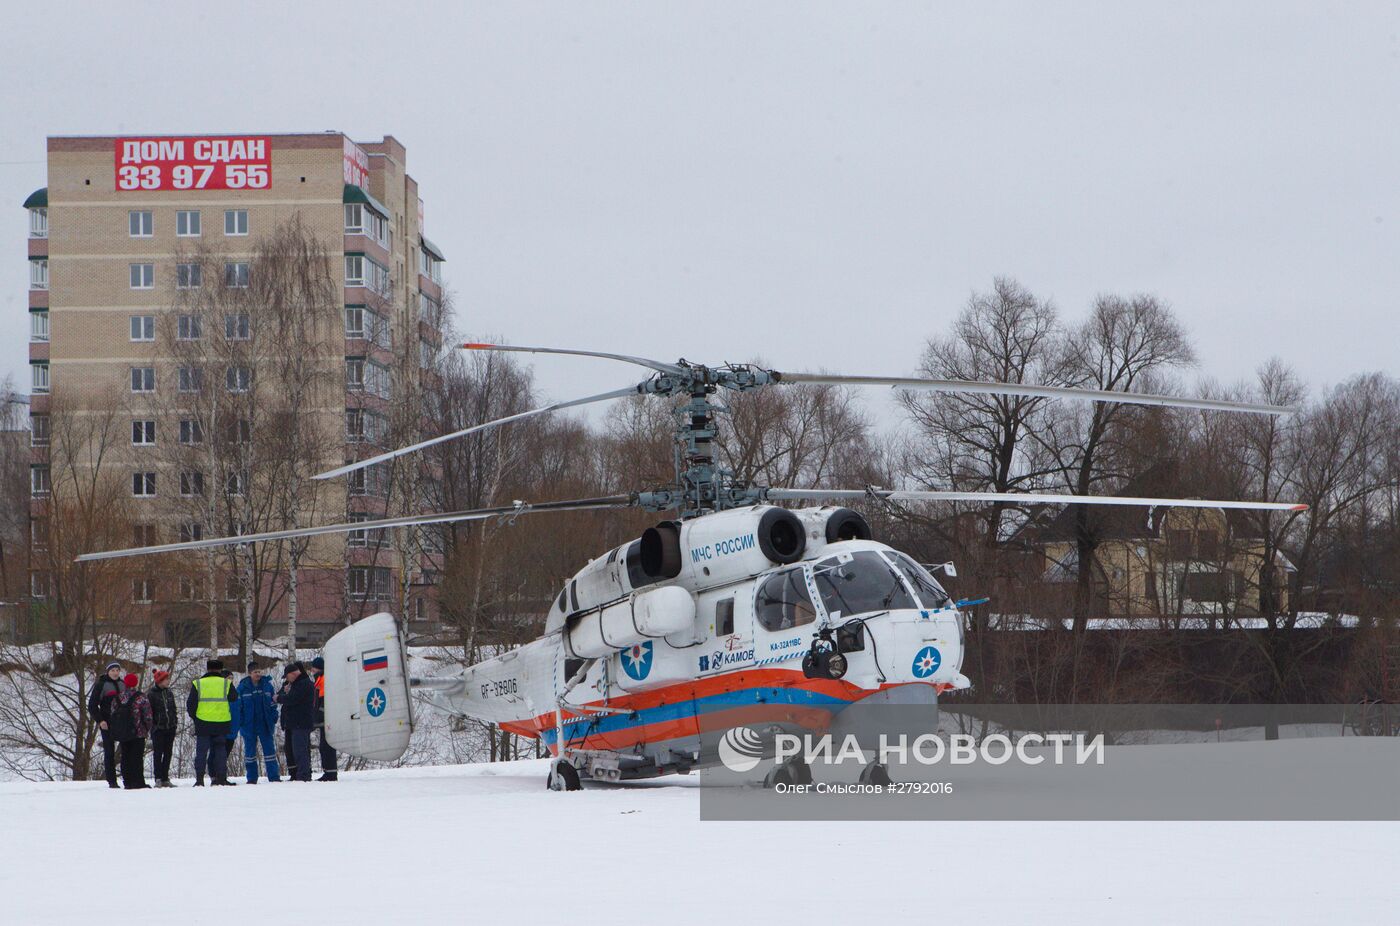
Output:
x=875 y=774
x=789 y=774
x=562 y=776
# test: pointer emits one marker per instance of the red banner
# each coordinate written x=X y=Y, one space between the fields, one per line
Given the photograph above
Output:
x=356 y=164
x=207 y=163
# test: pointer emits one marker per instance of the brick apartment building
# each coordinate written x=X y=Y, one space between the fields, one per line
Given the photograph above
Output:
x=106 y=239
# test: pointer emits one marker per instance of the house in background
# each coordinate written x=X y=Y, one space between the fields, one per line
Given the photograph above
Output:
x=1152 y=562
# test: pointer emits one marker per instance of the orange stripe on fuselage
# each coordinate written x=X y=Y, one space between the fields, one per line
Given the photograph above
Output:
x=810 y=717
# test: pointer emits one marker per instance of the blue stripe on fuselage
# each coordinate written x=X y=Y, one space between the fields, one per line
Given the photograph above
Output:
x=607 y=723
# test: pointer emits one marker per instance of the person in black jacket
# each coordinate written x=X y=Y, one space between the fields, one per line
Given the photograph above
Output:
x=212 y=722
x=298 y=700
x=166 y=724
x=131 y=724
x=329 y=760
x=100 y=700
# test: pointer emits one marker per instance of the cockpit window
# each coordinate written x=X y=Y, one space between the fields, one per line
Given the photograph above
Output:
x=783 y=601
x=858 y=583
x=930 y=593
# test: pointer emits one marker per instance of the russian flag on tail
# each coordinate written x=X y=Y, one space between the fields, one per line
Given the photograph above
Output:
x=375 y=659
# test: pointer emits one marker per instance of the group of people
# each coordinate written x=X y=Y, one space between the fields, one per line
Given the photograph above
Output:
x=222 y=713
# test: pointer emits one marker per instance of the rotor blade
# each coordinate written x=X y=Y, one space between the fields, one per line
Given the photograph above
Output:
x=1048 y=392
x=658 y=365
x=1021 y=498
x=554 y=407
x=474 y=514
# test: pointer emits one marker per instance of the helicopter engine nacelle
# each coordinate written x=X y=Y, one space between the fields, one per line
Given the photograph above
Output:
x=649 y=614
x=731 y=545
x=832 y=525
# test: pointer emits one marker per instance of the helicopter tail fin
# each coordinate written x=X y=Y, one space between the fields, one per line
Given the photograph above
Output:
x=368 y=710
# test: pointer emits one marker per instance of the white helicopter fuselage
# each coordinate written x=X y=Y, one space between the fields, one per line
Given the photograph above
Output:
x=671 y=665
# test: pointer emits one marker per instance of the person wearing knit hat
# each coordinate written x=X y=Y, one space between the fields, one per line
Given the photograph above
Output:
x=130 y=725
x=100 y=700
x=210 y=704
x=329 y=760
x=165 y=726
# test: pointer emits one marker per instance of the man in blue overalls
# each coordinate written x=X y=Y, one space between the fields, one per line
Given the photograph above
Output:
x=257 y=715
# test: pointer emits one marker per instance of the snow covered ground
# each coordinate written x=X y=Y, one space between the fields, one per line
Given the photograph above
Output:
x=487 y=844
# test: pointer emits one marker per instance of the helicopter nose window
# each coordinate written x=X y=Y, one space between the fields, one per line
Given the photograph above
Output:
x=857 y=583
x=783 y=601
x=930 y=593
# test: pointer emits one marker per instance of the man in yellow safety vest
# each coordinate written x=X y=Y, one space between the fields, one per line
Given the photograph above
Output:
x=210 y=704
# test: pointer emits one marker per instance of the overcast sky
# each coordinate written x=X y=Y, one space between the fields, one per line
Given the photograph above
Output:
x=822 y=185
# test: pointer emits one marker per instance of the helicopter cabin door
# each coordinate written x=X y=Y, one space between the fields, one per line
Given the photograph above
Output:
x=729 y=643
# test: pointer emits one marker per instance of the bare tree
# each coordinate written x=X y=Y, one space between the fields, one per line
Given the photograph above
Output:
x=979 y=442
x=255 y=408
x=86 y=608
x=1125 y=345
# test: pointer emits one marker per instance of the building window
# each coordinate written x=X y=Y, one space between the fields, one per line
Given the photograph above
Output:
x=364 y=538
x=39 y=273
x=367 y=481
x=143 y=433
x=238 y=432
x=369 y=582
x=38 y=430
x=38 y=585
x=191 y=379
x=427 y=354
x=140 y=223
x=189 y=328
x=143 y=535
x=38 y=326
x=191 y=431
x=191 y=484
x=235 y=221
x=143 y=327
x=377 y=380
x=354 y=219
x=39 y=533
x=236 y=484
x=39 y=484
x=354 y=322
x=191 y=532
x=365 y=427
x=354 y=270
x=187 y=223
x=143 y=379
x=143 y=485
x=236 y=327
x=1207 y=545
x=189 y=589
x=354 y=373
x=236 y=274
x=142 y=591
x=429 y=309
x=189 y=276
x=143 y=276
x=238 y=379
x=39 y=378
x=378 y=278
x=39 y=222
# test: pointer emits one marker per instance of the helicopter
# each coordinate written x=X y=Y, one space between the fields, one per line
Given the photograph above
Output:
x=733 y=619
